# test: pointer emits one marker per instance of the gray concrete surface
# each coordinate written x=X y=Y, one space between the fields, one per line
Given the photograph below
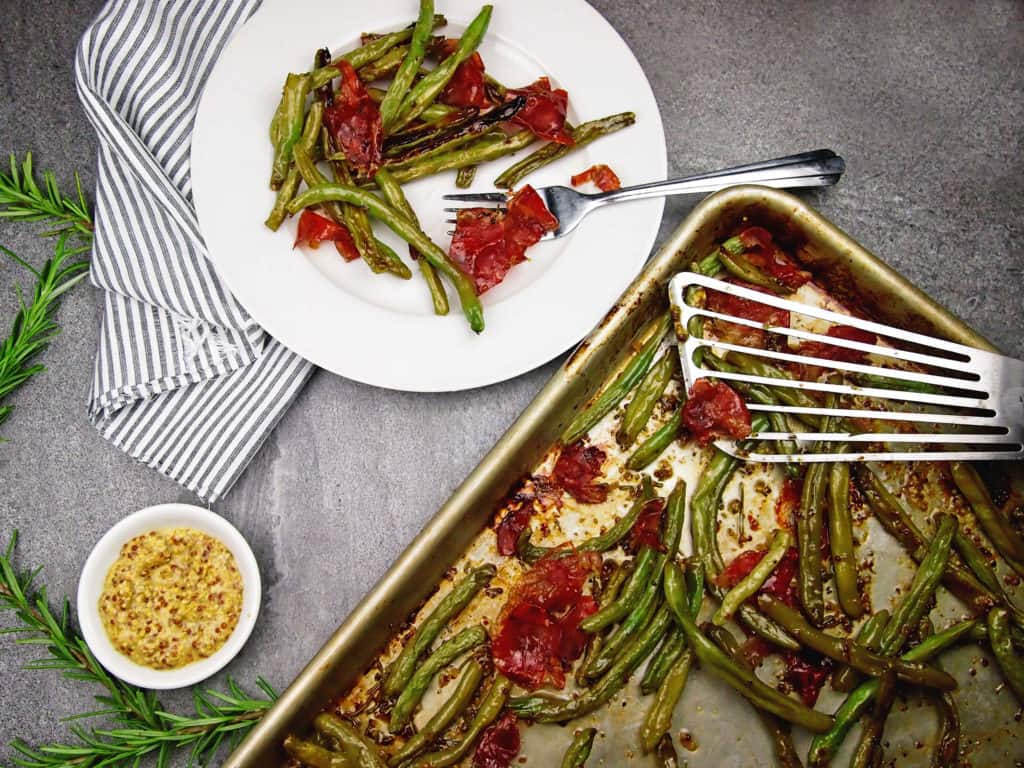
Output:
x=925 y=101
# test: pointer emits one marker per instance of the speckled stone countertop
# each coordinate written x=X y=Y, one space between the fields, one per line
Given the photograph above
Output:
x=925 y=101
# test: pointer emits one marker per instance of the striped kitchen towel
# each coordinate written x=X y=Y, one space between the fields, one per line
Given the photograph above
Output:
x=184 y=380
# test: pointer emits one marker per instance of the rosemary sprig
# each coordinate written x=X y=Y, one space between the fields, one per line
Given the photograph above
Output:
x=22 y=199
x=143 y=728
x=34 y=327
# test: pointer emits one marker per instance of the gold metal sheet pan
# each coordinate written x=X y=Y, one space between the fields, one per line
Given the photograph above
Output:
x=840 y=264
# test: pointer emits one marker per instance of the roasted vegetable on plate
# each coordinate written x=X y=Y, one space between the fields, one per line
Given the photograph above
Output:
x=412 y=104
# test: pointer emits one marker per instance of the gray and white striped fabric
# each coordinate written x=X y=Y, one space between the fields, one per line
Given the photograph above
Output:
x=184 y=380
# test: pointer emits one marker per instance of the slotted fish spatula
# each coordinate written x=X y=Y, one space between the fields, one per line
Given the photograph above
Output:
x=905 y=397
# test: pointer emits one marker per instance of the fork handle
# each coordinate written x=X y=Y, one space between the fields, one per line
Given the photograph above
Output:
x=807 y=169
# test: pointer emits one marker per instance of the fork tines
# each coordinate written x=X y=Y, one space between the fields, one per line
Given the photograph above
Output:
x=908 y=397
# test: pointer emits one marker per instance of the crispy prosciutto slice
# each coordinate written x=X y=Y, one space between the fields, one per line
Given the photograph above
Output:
x=315 y=229
x=762 y=252
x=544 y=112
x=714 y=410
x=604 y=178
x=353 y=120
x=576 y=470
x=538 y=632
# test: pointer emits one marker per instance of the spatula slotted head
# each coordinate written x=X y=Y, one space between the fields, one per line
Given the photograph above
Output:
x=838 y=388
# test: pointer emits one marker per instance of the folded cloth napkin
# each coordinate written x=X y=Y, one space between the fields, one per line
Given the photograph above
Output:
x=184 y=380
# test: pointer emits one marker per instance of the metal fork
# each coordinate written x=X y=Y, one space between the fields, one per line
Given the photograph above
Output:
x=820 y=168
x=966 y=403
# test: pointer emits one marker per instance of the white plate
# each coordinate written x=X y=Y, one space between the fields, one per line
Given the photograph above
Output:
x=381 y=330
x=106 y=552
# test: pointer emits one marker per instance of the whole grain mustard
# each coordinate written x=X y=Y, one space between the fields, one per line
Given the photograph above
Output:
x=171 y=598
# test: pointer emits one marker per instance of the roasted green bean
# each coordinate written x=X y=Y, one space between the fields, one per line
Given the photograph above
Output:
x=451 y=605
x=916 y=601
x=453 y=706
x=582 y=134
x=612 y=395
x=290 y=185
x=289 y=127
x=738 y=265
x=488 y=712
x=408 y=231
x=778 y=730
x=662 y=661
x=840 y=538
x=998 y=530
x=611 y=590
x=600 y=543
x=368 y=53
x=635 y=621
x=869 y=750
x=890 y=513
x=845 y=678
x=544 y=709
x=947 y=743
x=849 y=652
x=648 y=393
x=704 y=513
x=753 y=581
x=659 y=717
x=396 y=198
x=430 y=85
x=809 y=528
x=385 y=66
x=999 y=640
x=447 y=652
x=579 y=750
x=632 y=593
x=314 y=755
x=825 y=745
x=715 y=661
x=655 y=445
x=355 y=746
x=397 y=91
x=486 y=147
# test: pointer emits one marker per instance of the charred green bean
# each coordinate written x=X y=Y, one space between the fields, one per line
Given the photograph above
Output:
x=845 y=678
x=998 y=530
x=582 y=134
x=849 y=652
x=840 y=538
x=825 y=745
x=999 y=640
x=650 y=341
x=659 y=717
x=397 y=91
x=453 y=706
x=715 y=661
x=579 y=750
x=488 y=712
x=314 y=755
x=645 y=398
x=655 y=445
x=869 y=750
x=355 y=746
x=451 y=605
x=662 y=661
x=809 y=528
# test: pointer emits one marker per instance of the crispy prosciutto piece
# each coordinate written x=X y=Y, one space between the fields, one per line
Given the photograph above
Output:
x=806 y=672
x=714 y=410
x=734 y=333
x=499 y=744
x=488 y=243
x=536 y=494
x=603 y=177
x=538 y=632
x=315 y=229
x=781 y=584
x=762 y=252
x=353 y=120
x=544 y=112
x=788 y=503
x=467 y=87
x=646 y=530
x=577 y=468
